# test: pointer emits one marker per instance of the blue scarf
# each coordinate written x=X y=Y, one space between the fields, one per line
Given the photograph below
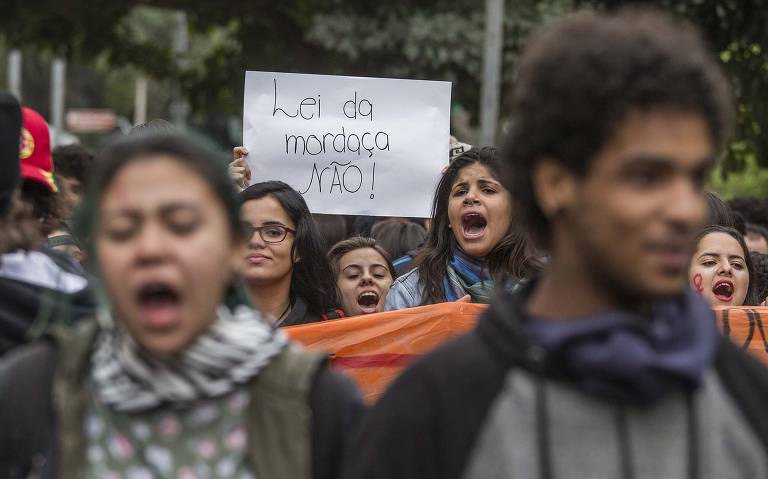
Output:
x=465 y=275
x=626 y=357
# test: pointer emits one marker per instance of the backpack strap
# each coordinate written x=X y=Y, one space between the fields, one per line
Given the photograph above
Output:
x=62 y=240
x=279 y=423
x=70 y=397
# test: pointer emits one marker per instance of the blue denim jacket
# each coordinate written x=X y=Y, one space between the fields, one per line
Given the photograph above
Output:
x=406 y=292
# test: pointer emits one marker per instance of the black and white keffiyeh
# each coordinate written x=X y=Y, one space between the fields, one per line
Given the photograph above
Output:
x=231 y=352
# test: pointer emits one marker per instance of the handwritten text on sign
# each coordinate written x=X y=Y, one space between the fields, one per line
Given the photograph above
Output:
x=350 y=145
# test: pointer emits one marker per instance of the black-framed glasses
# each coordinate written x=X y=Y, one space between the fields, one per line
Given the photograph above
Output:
x=267 y=233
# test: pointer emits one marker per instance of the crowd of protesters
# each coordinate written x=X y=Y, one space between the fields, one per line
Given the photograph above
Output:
x=140 y=324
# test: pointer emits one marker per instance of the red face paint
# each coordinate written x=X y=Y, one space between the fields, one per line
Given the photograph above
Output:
x=697 y=280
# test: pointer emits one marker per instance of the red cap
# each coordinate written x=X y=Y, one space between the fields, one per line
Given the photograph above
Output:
x=35 y=150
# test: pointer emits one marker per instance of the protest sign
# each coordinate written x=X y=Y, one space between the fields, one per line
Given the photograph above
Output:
x=350 y=145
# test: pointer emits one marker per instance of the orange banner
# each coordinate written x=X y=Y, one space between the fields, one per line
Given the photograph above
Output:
x=745 y=326
x=374 y=348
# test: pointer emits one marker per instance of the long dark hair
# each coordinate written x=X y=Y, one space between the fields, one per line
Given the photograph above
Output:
x=312 y=279
x=751 y=299
x=513 y=256
x=720 y=213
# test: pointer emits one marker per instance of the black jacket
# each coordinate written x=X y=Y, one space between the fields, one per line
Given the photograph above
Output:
x=39 y=297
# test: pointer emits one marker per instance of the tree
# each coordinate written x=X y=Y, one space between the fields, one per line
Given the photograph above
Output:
x=412 y=39
x=737 y=34
x=432 y=39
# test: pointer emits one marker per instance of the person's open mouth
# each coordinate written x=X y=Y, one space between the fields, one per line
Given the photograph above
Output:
x=368 y=302
x=160 y=305
x=723 y=291
x=473 y=225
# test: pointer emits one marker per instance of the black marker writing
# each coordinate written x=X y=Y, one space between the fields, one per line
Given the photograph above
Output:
x=352 y=108
x=373 y=179
x=350 y=179
x=316 y=144
x=306 y=108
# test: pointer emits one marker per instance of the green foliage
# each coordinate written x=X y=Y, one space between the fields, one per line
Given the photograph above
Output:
x=736 y=32
x=431 y=39
x=750 y=181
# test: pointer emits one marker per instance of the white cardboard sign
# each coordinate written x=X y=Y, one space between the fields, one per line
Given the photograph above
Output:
x=349 y=145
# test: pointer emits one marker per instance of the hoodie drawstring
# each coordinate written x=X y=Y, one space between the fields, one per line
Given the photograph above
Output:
x=542 y=424
x=627 y=471
x=693 y=436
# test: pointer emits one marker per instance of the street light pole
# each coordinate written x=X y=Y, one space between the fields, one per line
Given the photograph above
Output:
x=58 y=93
x=180 y=106
x=140 y=101
x=14 y=72
x=491 y=83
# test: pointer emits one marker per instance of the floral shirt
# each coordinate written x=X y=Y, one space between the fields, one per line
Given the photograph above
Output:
x=207 y=440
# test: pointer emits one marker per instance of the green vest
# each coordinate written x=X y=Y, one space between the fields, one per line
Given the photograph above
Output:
x=279 y=419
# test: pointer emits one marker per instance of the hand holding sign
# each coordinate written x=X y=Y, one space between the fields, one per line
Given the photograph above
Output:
x=350 y=145
x=239 y=170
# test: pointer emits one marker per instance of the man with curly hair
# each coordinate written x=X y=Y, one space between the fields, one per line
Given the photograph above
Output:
x=71 y=164
x=760 y=262
x=607 y=365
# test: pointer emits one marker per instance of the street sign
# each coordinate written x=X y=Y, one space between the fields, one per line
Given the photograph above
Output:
x=91 y=120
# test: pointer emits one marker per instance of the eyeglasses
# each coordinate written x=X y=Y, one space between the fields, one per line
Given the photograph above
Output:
x=268 y=233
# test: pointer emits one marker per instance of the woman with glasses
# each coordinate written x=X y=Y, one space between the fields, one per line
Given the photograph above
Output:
x=286 y=271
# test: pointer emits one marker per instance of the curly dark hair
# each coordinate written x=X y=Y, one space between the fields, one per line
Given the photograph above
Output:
x=46 y=205
x=514 y=255
x=21 y=230
x=580 y=77
x=760 y=261
x=72 y=161
x=754 y=210
x=158 y=125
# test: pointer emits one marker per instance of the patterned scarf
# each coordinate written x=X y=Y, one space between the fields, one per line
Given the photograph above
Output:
x=231 y=352
x=467 y=275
